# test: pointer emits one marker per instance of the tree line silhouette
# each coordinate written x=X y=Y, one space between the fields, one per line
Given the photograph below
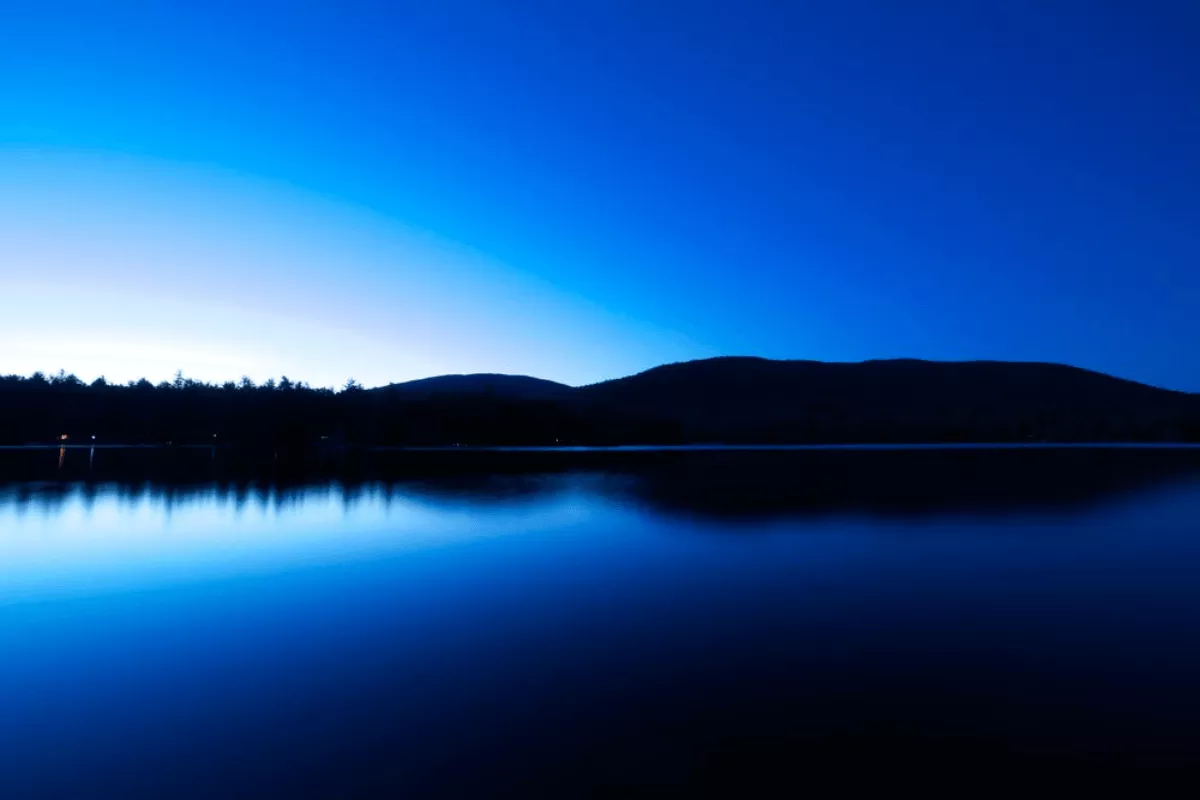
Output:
x=44 y=409
x=280 y=413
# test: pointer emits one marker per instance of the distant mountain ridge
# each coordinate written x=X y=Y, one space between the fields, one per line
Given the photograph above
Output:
x=520 y=386
x=728 y=400
x=871 y=383
x=746 y=365
x=762 y=365
x=751 y=399
x=755 y=398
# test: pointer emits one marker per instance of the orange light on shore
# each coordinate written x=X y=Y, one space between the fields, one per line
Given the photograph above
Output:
x=63 y=438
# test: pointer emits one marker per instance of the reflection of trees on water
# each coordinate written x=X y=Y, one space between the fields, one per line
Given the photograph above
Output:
x=720 y=485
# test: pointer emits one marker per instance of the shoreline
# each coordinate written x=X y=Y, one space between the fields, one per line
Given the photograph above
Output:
x=648 y=448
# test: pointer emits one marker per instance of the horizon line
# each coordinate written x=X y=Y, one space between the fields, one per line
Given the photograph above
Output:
x=244 y=381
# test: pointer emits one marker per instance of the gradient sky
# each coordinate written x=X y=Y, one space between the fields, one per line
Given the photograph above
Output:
x=581 y=189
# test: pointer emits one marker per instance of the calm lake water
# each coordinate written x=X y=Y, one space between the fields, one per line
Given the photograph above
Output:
x=189 y=624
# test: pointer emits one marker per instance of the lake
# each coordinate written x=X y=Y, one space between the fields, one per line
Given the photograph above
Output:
x=200 y=624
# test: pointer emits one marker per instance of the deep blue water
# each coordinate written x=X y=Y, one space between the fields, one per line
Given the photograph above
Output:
x=411 y=625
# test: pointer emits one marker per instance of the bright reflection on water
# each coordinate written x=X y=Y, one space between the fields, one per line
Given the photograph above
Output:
x=72 y=539
x=191 y=625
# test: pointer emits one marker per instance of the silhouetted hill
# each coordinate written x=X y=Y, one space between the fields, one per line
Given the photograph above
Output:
x=720 y=386
x=722 y=400
x=521 y=387
x=747 y=398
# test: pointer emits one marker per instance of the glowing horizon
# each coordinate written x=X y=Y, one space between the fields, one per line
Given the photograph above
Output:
x=220 y=276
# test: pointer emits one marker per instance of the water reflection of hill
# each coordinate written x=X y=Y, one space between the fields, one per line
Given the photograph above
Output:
x=912 y=483
x=718 y=484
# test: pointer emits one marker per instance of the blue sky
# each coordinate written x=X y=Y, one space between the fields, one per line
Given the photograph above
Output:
x=582 y=190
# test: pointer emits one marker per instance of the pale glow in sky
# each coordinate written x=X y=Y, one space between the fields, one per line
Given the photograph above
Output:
x=129 y=268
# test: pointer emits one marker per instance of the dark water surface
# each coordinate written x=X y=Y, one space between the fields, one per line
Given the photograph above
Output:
x=482 y=625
